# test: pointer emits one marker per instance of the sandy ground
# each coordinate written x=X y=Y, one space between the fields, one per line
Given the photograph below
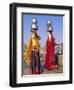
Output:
x=58 y=60
x=27 y=71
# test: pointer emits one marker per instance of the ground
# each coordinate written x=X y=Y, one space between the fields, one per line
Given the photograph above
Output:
x=27 y=71
x=58 y=60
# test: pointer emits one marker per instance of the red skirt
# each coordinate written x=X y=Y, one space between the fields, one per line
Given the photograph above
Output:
x=50 y=56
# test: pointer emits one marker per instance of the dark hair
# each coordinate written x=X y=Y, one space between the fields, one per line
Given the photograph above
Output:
x=33 y=29
x=50 y=31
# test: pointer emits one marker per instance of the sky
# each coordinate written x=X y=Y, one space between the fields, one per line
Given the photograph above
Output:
x=57 y=24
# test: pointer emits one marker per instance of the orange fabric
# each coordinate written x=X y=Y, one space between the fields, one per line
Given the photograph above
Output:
x=29 y=48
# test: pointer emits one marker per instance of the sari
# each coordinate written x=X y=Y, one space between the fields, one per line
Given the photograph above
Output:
x=50 y=55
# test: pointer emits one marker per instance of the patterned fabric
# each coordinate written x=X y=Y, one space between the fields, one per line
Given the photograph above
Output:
x=35 y=62
x=50 y=44
x=29 y=48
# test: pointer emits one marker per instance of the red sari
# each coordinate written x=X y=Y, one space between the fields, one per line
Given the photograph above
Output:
x=50 y=48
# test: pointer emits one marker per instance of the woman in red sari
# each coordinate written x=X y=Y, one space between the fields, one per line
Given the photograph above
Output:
x=50 y=49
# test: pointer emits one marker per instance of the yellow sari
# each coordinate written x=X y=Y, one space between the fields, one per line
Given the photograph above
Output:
x=27 y=57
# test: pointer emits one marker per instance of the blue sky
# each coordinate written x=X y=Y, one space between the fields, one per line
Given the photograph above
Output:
x=57 y=23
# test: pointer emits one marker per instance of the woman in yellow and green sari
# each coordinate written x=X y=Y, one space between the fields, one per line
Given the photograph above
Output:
x=32 y=55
